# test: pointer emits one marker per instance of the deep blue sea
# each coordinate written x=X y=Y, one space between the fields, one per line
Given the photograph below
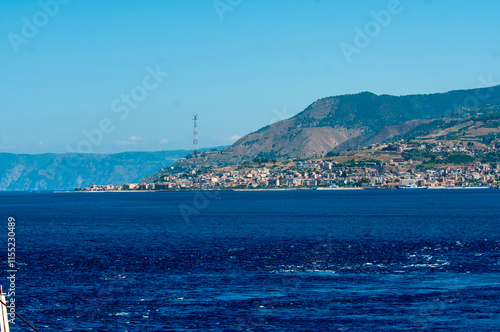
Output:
x=372 y=260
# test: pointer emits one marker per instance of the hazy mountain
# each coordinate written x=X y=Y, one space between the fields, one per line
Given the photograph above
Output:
x=68 y=171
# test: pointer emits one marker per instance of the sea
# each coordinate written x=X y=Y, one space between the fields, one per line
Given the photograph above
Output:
x=298 y=260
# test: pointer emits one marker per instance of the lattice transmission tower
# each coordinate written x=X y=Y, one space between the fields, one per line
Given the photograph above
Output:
x=195 y=135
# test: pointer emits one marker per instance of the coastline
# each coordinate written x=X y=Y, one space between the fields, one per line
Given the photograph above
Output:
x=270 y=189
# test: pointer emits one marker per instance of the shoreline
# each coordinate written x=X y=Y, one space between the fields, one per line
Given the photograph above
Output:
x=270 y=189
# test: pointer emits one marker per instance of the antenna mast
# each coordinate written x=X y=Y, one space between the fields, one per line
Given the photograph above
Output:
x=195 y=135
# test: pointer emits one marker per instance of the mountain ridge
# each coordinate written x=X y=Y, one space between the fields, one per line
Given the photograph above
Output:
x=366 y=113
x=346 y=122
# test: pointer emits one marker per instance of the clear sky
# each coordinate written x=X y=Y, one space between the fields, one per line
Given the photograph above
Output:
x=130 y=74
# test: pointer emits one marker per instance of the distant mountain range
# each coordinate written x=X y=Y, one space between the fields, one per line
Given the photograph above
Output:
x=51 y=171
x=349 y=122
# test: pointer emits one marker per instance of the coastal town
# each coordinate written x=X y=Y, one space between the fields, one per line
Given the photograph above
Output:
x=381 y=166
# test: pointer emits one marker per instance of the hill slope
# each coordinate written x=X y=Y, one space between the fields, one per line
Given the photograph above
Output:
x=348 y=122
x=352 y=121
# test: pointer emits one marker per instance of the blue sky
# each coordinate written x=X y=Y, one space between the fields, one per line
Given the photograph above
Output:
x=111 y=76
